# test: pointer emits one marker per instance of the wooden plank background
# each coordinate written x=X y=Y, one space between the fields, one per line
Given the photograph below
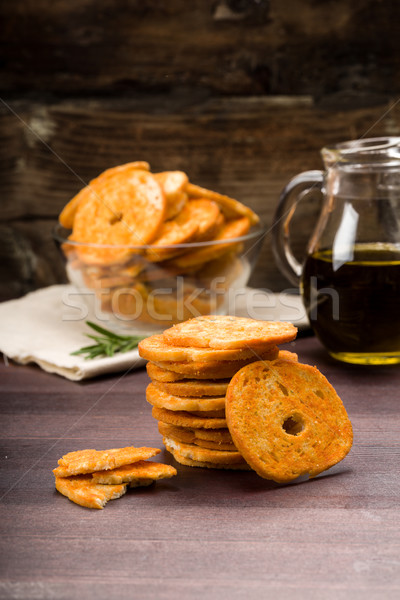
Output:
x=239 y=94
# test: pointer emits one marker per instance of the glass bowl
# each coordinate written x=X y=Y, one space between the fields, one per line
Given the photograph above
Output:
x=142 y=290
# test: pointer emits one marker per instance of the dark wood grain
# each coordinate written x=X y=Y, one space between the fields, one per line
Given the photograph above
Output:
x=204 y=533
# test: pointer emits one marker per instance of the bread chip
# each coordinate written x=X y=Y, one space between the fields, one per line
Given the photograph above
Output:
x=194 y=388
x=83 y=490
x=156 y=349
x=185 y=419
x=206 y=465
x=145 y=470
x=173 y=184
x=126 y=208
x=207 y=216
x=157 y=397
x=174 y=232
x=68 y=213
x=193 y=436
x=287 y=420
x=230 y=207
x=215 y=369
x=203 y=454
x=188 y=436
x=87 y=461
x=213 y=331
x=164 y=375
x=229 y=231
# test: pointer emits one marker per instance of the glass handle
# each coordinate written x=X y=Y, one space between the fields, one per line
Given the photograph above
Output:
x=296 y=189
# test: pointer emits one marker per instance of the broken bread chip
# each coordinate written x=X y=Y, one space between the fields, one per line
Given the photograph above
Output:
x=83 y=490
x=287 y=420
x=88 y=461
x=142 y=470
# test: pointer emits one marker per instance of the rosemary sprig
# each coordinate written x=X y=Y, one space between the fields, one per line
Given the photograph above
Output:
x=107 y=343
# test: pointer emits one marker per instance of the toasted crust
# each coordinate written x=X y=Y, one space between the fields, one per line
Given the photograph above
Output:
x=193 y=388
x=142 y=470
x=157 y=397
x=185 y=419
x=213 y=331
x=88 y=461
x=203 y=454
x=157 y=349
x=216 y=369
x=83 y=490
x=287 y=420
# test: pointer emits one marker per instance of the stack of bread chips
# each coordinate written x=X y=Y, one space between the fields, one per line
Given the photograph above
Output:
x=191 y=365
x=93 y=477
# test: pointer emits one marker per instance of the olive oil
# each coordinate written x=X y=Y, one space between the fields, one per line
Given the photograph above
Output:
x=354 y=307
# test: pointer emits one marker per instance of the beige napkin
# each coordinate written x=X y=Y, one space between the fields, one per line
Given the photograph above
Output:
x=45 y=326
x=42 y=329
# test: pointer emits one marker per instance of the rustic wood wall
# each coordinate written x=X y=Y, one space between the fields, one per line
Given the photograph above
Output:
x=241 y=94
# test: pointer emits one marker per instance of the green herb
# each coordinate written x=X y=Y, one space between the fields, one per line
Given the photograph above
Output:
x=107 y=343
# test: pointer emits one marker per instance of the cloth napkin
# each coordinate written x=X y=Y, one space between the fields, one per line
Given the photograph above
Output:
x=45 y=326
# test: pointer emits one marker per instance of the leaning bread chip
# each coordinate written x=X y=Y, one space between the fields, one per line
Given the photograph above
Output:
x=218 y=331
x=287 y=420
x=183 y=460
x=226 y=238
x=173 y=184
x=185 y=419
x=156 y=349
x=203 y=454
x=83 y=490
x=216 y=369
x=157 y=397
x=230 y=207
x=142 y=470
x=194 y=388
x=88 y=461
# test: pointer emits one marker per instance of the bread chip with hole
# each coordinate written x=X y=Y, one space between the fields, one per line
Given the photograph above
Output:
x=287 y=420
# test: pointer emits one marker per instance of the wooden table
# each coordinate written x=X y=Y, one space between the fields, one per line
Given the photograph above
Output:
x=205 y=533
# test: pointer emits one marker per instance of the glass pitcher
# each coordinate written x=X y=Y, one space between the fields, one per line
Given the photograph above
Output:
x=350 y=279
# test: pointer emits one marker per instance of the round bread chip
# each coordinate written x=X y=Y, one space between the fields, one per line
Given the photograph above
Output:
x=157 y=397
x=173 y=184
x=194 y=388
x=206 y=465
x=287 y=420
x=67 y=215
x=207 y=216
x=126 y=208
x=157 y=373
x=196 y=436
x=156 y=349
x=216 y=369
x=203 y=454
x=230 y=207
x=176 y=231
x=229 y=231
x=185 y=419
x=218 y=331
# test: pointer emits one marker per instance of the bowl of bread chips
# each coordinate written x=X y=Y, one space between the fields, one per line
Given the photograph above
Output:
x=149 y=250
